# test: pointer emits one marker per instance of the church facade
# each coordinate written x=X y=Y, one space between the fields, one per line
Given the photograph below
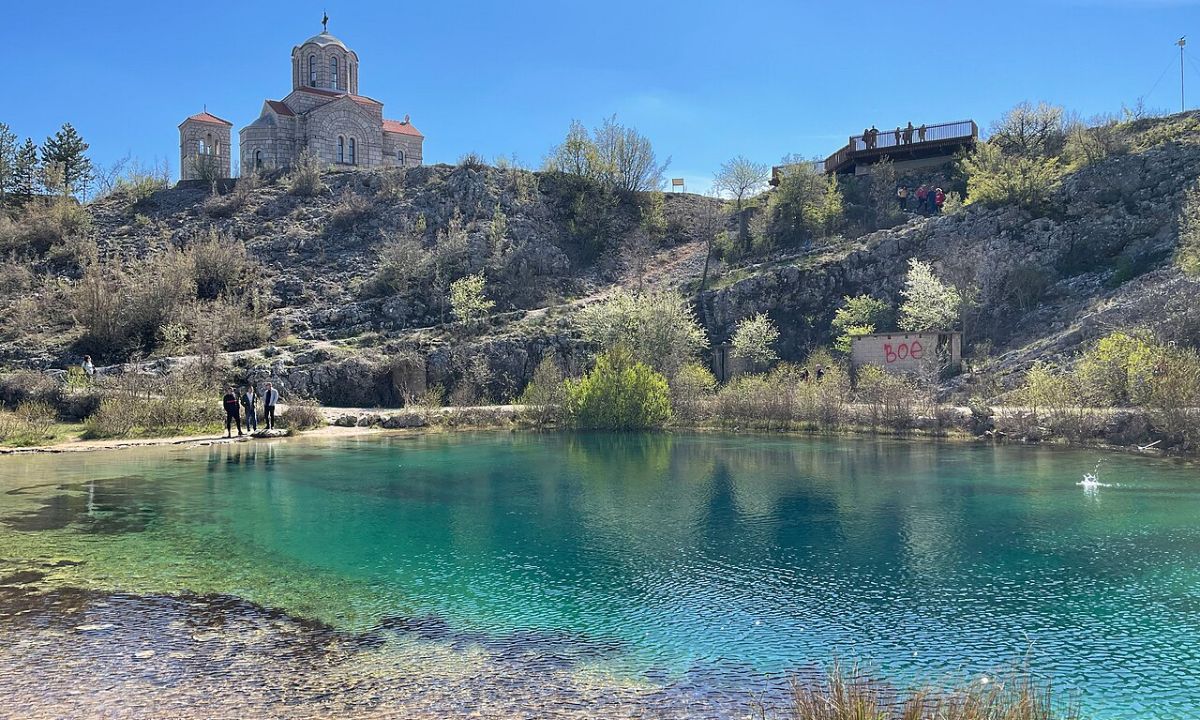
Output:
x=324 y=115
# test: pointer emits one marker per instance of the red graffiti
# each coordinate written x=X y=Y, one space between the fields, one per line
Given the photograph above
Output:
x=903 y=351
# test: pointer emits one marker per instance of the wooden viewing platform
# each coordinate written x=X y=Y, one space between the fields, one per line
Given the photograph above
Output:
x=921 y=142
x=928 y=142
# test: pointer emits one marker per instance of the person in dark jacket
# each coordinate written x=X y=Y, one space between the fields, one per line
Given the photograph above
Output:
x=248 y=399
x=232 y=417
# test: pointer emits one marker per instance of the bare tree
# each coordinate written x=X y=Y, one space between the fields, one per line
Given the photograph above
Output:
x=741 y=177
x=710 y=222
x=1030 y=130
x=628 y=157
x=617 y=156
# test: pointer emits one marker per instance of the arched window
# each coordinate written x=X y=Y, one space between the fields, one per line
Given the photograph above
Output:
x=352 y=161
x=312 y=70
x=201 y=147
x=333 y=73
x=342 y=149
x=258 y=163
x=400 y=157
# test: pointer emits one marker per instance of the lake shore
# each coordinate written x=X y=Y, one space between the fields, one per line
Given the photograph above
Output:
x=1007 y=427
x=200 y=440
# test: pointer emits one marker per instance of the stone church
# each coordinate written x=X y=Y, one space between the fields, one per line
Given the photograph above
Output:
x=323 y=114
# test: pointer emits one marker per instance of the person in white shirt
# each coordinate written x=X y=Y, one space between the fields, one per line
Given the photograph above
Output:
x=270 y=399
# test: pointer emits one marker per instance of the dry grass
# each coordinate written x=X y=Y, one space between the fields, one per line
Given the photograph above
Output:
x=851 y=694
x=302 y=415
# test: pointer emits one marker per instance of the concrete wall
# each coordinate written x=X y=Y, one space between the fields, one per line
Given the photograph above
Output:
x=906 y=352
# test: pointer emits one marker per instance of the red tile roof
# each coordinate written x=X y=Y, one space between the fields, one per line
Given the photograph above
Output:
x=401 y=126
x=209 y=118
x=320 y=91
x=281 y=108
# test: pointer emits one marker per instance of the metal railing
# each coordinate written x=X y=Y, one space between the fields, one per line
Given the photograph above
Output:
x=903 y=138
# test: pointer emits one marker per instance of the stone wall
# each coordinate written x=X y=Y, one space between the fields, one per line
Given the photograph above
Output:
x=216 y=139
x=408 y=145
x=346 y=120
x=347 y=65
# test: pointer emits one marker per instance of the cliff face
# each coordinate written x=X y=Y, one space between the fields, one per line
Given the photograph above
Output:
x=355 y=277
x=1097 y=260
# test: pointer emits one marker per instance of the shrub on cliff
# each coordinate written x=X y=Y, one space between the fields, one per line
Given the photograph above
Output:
x=995 y=178
x=859 y=315
x=1187 y=256
x=805 y=206
x=619 y=393
x=305 y=178
x=929 y=304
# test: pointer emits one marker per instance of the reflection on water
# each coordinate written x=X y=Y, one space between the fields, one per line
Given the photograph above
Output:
x=708 y=565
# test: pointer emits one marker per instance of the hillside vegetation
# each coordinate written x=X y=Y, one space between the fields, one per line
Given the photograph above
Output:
x=454 y=283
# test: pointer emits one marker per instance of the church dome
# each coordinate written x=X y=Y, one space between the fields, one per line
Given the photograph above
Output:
x=325 y=39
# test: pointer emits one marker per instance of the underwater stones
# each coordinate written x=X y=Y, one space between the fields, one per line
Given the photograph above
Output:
x=94 y=627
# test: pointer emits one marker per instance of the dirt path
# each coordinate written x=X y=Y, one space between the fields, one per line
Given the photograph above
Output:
x=188 y=440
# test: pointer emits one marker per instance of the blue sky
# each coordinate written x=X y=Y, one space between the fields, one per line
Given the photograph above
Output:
x=704 y=80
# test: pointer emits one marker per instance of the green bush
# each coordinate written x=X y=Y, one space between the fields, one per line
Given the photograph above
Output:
x=805 y=206
x=1116 y=369
x=658 y=329
x=619 y=393
x=692 y=392
x=754 y=340
x=1057 y=401
x=1172 y=396
x=994 y=178
x=1187 y=254
x=860 y=315
x=545 y=396
x=891 y=399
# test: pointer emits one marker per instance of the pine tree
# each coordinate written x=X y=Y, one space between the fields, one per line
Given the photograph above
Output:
x=8 y=162
x=27 y=171
x=66 y=149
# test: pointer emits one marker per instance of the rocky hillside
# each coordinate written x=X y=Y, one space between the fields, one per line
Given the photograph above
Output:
x=349 y=282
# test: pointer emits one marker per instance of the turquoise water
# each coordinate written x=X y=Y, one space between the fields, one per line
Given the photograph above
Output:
x=727 y=558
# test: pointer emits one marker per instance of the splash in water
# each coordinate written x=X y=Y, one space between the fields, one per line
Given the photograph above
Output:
x=1091 y=481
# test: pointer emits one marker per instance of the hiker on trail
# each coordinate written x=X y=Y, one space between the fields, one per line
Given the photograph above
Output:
x=902 y=197
x=230 y=403
x=88 y=368
x=270 y=400
x=249 y=398
x=939 y=198
x=897 y=134
x=921 y=132
x=874 y=137
x=922 y=194
x=804 y=375
x=866 y=138
x=820 y=373
x=908 y=131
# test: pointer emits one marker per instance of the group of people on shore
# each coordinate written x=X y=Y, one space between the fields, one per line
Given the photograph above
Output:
x=929 y=200
x=234 y=403
x=901 y=136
